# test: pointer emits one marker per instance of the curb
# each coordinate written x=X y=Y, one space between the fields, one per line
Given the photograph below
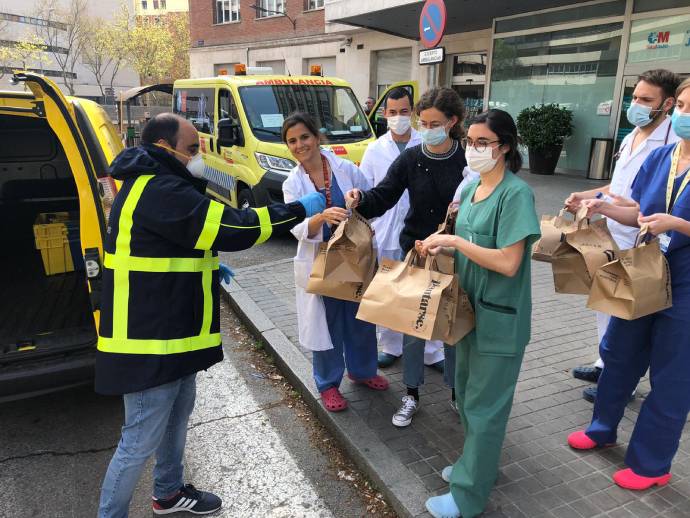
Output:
x=401 y=488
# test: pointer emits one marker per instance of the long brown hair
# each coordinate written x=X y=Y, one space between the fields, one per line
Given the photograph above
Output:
x=447 y=101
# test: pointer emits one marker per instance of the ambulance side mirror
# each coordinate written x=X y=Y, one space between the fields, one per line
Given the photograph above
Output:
x=229 y=133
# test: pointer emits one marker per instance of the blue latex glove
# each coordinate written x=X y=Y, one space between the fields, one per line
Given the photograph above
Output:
x=313 y=203
x=225 y=273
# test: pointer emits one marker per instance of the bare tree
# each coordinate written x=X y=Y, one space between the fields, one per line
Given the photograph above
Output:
x=5 y=49
x=96 y=53
x=63 y=34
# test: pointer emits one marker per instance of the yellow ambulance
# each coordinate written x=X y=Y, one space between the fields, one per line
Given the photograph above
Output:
x=54 y=156
x=239 y=119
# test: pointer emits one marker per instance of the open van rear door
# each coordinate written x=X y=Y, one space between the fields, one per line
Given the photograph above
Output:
x=378 y=122
x=60 y=114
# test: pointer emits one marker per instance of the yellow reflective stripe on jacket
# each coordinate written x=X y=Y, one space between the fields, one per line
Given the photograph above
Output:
x=122 y=263
x=158 y=347
x=264 y=223
x=211 y=226
x=161 y=264
x=122 y=247
x=207 y=284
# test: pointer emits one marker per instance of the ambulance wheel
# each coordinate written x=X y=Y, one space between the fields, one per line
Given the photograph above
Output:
x=245 y=199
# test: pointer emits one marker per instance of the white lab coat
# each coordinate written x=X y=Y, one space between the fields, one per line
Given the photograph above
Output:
x=377 y=158
x=311 y=314
x=626 y=171
x=468 y=175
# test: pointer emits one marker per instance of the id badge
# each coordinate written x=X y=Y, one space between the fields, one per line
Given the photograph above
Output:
x=664 y=241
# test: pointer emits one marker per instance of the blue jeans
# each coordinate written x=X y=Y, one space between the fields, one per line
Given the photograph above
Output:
x=354 y=345
x=413 y=362
x=155 y=421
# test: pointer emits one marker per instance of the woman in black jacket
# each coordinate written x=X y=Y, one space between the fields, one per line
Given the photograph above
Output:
x=431 y=172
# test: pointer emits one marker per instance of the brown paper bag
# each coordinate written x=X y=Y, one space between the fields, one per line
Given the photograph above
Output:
x=635 y=284
x=579 y=255
x=350 y=253
x=417 y=300
x=343 y=290
x=552 y=230
x=445 y=262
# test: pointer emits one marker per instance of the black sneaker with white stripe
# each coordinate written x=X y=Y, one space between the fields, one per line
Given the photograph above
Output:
x=188 y=499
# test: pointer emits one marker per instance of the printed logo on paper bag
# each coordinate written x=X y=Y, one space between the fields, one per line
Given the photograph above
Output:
x=424 y=304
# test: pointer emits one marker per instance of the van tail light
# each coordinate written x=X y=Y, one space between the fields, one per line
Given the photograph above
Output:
x=107 y=189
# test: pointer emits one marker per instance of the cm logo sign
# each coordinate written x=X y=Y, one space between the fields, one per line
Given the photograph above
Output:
x=658 y=37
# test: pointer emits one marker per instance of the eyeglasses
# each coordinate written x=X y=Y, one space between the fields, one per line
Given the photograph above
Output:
x=479 y=144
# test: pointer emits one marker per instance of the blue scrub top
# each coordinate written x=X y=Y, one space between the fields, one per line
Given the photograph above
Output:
x=337 y=200
x=649 y=190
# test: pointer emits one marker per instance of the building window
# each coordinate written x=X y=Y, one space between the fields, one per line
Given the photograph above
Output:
x=155 y=4
x=266 y=8
x=550 y=68
x=227 y=11
x=164 y=4
x=144 y=4
x=310 y=5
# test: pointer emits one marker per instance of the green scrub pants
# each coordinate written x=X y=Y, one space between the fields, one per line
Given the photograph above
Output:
x=484 y=387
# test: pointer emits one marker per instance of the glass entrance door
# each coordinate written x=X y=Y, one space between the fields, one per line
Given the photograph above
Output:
x=624 y=127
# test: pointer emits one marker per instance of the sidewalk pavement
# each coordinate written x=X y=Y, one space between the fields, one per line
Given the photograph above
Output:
x=539 y=475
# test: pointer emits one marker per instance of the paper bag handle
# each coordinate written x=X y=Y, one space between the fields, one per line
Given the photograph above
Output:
x=581 y=217
x=643 y=236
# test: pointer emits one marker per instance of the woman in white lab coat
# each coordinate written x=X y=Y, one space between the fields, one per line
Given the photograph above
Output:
x=327 y=326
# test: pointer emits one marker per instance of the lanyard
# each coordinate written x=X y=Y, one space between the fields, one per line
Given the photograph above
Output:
x=672 y=178
x=326 y=182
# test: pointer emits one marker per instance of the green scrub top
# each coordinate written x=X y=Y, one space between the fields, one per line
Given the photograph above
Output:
x=502 y=305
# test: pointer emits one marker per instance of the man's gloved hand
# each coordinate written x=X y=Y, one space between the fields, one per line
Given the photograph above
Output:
x=313 y=203
x=225 y=273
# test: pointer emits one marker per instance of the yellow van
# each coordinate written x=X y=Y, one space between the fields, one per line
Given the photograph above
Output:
x=239 y=119
x=54 y=155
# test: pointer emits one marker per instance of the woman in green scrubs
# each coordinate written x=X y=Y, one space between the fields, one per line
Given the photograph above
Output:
x=496 y=227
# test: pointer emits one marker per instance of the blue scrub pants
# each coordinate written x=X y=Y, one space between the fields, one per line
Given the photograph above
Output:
x=354 y=346
x=662 y=344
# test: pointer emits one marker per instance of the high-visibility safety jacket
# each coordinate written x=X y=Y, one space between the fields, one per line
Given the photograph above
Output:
x=160 y=304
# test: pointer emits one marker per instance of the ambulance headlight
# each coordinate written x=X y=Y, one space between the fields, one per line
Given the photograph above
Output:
x=274 y=163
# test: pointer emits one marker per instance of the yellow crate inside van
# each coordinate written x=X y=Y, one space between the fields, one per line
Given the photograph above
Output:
x=50 y=233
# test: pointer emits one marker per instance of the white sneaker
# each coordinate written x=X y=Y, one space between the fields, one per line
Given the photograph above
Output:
x=403 y=417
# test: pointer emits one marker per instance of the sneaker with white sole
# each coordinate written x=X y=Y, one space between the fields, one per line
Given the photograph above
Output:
x=188 y=499
x=403 y=417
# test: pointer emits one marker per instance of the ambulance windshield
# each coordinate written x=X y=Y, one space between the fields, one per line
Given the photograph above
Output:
x=335 y=109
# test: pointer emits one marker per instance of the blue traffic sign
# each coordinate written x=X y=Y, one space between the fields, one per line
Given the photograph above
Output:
x=432 y=22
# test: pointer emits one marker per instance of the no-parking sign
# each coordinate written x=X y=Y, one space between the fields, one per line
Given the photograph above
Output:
x=432 y=23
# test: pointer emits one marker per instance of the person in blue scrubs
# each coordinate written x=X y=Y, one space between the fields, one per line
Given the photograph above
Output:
x=661 y=341
x=327 y=326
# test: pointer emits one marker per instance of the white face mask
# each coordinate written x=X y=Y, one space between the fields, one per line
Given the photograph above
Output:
x=480 y=161
x=195 y=166
x=399 y=124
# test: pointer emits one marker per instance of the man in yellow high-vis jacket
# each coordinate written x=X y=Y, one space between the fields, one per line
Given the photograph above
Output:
x=160 y=321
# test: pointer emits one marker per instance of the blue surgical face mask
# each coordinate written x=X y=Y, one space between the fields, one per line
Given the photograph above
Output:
x=639 y=114
x=680 y=122
x=433 y=136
